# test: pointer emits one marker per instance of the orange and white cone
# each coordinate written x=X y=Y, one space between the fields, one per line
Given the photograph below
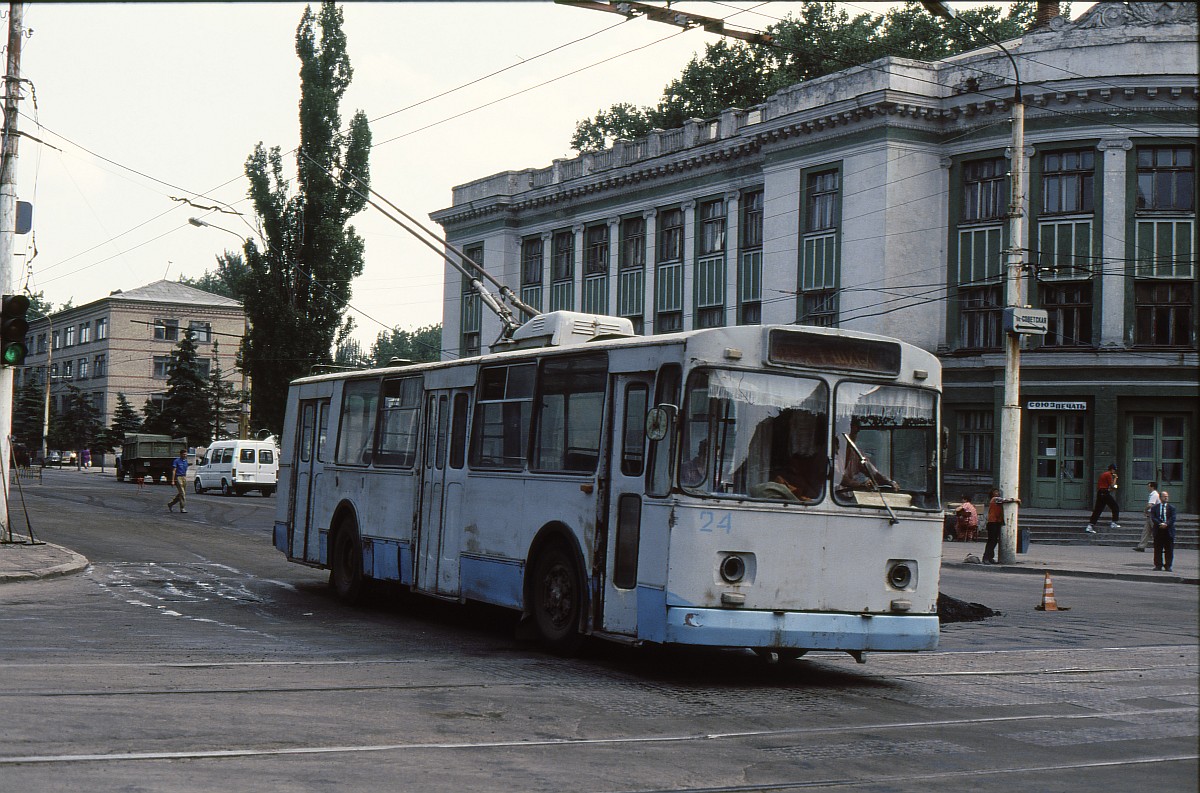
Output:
x=1048 y=602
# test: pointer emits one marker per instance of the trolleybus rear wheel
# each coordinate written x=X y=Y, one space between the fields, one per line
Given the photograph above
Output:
x=345 y=564
x=557 y=599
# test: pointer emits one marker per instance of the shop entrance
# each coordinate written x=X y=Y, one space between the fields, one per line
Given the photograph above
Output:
x=1060 y=444
x=1158 y=451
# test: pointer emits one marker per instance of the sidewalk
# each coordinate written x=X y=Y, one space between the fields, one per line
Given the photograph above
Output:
x=1091 y=561
x=31 y=562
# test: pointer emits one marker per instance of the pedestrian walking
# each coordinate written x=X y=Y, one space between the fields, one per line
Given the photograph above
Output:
x=179 y=468
x=1164 y=533
x=1104 y=498
x=1148 y=531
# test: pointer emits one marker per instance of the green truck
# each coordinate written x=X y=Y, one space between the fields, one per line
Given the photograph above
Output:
x=148 y=457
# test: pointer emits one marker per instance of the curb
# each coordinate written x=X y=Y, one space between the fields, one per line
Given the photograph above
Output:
x=76 y=563
x=1069 y=573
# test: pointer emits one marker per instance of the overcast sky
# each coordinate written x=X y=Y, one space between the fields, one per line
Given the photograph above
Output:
x=152 y=102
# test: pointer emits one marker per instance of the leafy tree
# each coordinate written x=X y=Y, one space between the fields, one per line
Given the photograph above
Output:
x=419 y=346
x=349 y=353
x=227 y=280
x=299 y=281
x=79 y=424
x=39 y=306
x=225 y=401
x=821 y=40
x=186 y=410
x=28 y=418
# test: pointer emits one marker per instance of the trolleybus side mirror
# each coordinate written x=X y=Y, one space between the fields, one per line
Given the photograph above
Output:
x=659 y=421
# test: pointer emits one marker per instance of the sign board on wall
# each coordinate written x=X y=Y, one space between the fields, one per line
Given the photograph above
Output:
x=1032 y=405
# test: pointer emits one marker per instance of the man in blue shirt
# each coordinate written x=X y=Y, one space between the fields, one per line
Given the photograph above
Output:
x=179 y=468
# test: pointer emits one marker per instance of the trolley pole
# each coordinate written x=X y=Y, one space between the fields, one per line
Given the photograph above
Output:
x=8 y=224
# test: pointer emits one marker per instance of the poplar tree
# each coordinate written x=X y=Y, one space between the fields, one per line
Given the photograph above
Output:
x=299 y=283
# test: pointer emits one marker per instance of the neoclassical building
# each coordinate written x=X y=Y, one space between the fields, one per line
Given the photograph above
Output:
x=877 y=199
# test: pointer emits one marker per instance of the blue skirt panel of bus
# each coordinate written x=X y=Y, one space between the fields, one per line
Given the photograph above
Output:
x=386 y=560
x=802 y=630
x=492 y=580
x=651 y=609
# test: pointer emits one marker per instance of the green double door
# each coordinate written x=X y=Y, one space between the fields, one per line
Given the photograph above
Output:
x=1059 y=465
x=1157 y=452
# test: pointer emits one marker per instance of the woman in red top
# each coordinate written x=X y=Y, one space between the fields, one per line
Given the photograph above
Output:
x=995 y=519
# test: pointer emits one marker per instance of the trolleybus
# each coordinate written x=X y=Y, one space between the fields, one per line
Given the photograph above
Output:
x=770 y=487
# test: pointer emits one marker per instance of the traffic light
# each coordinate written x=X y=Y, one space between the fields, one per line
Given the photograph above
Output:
x=13 y=327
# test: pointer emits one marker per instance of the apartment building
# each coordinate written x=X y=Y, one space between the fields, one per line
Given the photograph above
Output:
x=122 y=343
x=876 y=199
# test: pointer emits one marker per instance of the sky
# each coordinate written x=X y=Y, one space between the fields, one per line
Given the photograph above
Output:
x=138 y=105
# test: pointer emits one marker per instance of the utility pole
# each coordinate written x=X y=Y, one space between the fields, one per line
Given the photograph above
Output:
x=1010 y=412
x=8 y=226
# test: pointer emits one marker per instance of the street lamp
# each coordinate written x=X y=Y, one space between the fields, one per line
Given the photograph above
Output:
x=1010 y=415
x=244 y=418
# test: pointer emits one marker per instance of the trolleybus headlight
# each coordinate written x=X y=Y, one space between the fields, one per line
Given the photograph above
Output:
x=900 y=575
x=733 y=568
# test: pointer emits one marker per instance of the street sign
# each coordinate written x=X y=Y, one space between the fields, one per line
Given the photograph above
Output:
x=24 y=217
x=1026 y=321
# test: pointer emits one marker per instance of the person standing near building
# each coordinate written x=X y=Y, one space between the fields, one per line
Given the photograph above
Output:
x=1148 y=532
x=995 y=519
x=1104 y=498
x=966 y=523
x=1164 y=533
x=179 y=468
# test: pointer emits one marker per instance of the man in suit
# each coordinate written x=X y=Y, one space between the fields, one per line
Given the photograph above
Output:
x=1164 y=532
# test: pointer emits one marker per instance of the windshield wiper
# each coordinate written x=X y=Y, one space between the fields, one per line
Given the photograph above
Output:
x=872 y=473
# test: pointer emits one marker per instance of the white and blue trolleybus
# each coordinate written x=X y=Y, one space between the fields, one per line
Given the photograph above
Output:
x=770 y=487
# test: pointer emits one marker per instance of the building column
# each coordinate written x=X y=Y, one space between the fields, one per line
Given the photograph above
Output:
x=610 y=276
x=577 y=267
x=648 y=302
x=688 y=309
x=1113 y=217
x=732 y=256
x=547 y=258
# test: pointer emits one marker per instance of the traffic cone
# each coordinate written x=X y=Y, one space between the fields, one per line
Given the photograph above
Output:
x=1048 y=602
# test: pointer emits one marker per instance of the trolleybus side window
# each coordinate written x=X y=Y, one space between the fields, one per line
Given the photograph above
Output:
x=356 y=431
x=755 y=434
x=666 y=392
x=398 y=428
x=570 y=414
x=885 y=442
x=502 y=412
x=322 y=431
x=633 y=435
x=306 y=433
x=458 y=437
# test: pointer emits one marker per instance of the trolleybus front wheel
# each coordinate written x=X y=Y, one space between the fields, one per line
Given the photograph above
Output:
x=345 y=564
x=557 y=599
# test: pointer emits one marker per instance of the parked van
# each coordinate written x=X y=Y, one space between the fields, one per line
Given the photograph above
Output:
x=237 y=467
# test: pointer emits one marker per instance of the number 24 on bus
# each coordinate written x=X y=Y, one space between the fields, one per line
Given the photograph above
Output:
x=766 y=487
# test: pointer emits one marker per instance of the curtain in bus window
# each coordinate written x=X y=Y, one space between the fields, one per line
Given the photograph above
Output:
x=502 y=414
x=357 y=429
x=398 y=429
x=894 y=427
x=756 y=434
x=570 y=414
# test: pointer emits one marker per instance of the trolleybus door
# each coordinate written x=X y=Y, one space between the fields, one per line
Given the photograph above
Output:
x=309 y=464
x=627 y=463
x=443 y=474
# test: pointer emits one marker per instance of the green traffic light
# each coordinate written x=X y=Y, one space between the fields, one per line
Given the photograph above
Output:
x=13 y=354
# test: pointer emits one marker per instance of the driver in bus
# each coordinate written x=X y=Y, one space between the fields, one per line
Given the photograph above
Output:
x=860 y=471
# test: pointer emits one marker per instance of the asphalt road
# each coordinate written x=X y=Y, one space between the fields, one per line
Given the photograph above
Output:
x=192 y=657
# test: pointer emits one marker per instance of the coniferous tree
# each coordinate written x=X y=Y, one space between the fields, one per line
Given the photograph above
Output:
x=29 y=414
x=225 y=400
x=80 y=423
x=186 y=411
x=299 y=281
x=125 y=419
